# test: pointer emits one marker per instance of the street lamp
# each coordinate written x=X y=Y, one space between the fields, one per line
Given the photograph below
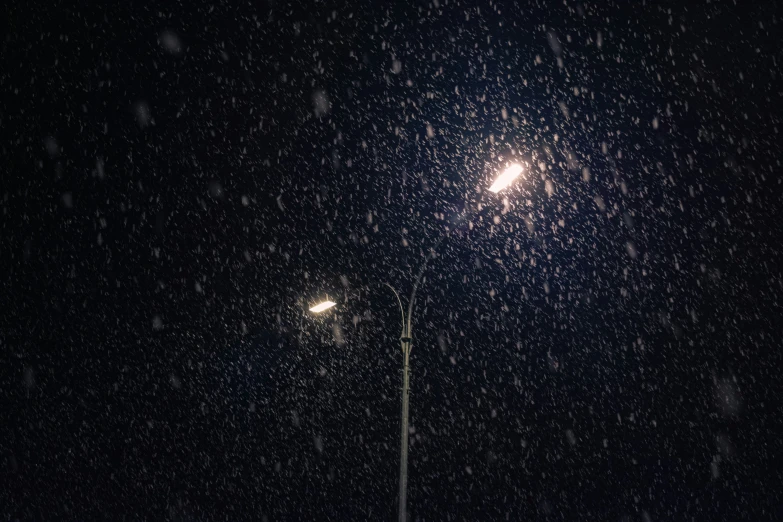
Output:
x=501 y=182
x=505 y=179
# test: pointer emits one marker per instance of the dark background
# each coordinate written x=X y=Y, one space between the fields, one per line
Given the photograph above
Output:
x=179 y=182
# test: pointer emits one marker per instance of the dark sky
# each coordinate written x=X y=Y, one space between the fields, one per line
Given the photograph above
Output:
x=179 y=183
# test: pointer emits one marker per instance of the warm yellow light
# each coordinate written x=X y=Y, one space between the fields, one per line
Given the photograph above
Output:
x=320 y=307
x=504 y=180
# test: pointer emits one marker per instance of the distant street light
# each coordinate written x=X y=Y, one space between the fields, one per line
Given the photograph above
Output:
x=505 y=179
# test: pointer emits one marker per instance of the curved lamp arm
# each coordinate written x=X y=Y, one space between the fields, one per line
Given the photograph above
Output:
x=399 y=302
x=466 y=216
x=407 y=324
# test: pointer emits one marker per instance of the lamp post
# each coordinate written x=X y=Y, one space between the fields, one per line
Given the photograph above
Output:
x=505 y=179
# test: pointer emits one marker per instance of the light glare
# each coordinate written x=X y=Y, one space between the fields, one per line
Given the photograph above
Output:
x=504 y=180
x=320 y=307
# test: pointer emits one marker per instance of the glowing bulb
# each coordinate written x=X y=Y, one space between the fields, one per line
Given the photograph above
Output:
x=506 y=178
x=320 y=307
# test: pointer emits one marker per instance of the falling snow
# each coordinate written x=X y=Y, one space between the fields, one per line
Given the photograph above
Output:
x=595 y=341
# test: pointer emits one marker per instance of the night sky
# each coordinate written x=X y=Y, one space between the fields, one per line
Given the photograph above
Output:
x=181 y=182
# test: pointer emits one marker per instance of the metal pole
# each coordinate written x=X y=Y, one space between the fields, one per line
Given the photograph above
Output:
x=406 y=351
x=405 y=340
